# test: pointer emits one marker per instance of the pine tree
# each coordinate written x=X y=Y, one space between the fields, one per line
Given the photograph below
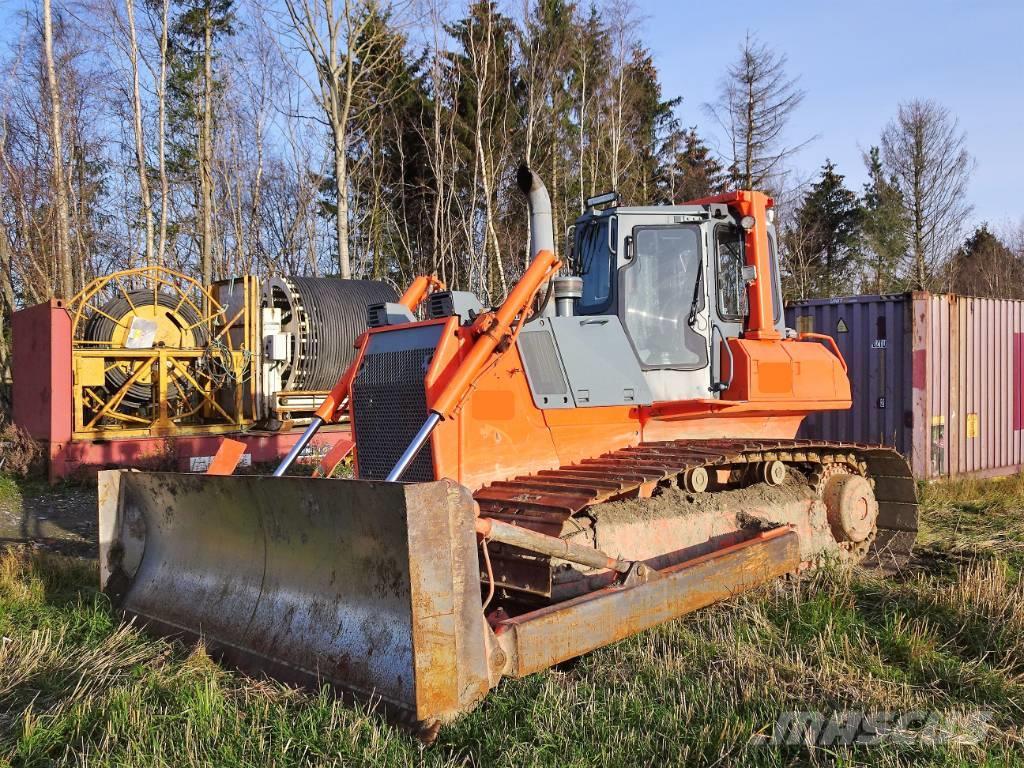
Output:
x=926 y=154
x=828 y=224
x=483 y=66
x=589 y=76
x=691 y=171
x=391 y=175
x=193 y=88
x=885 y=228
x=652 y=123
x=546 y=102
x=985 y=266
x=756 y=99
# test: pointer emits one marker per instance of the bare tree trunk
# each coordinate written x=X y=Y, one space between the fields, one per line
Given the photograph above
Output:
x=583 y=126
x=6 y=307
x=438 y=164
x=161 y=97
x=60 y=191
x=749 y=129
x=140 y=141
x=206 y=155
x=341 y=190
x=482 y=80
x=920 y=264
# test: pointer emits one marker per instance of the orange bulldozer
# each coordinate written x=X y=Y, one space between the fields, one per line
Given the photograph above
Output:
x=611 y=447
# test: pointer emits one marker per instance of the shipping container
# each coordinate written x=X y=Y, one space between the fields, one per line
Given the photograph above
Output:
x=937 y=376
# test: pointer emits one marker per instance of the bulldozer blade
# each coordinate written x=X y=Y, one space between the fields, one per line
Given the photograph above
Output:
x=370 y=587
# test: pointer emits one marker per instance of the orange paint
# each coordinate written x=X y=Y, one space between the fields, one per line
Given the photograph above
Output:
x=342 y=448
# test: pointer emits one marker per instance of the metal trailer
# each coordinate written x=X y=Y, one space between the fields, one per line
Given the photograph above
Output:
x=44 y=406
x=937 y=376
x=159 y=380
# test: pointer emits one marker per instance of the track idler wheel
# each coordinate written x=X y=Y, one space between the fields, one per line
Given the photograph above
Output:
x=851 y=506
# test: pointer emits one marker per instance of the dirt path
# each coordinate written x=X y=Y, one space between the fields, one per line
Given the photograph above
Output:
x=59 y=518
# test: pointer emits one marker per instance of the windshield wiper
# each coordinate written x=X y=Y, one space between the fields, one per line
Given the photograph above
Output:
x=691 y=318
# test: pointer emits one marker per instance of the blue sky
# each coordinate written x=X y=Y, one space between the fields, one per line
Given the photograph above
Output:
x=857 y=61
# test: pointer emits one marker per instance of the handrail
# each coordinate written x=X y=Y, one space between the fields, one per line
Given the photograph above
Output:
x=720 y=386
x=808 y=336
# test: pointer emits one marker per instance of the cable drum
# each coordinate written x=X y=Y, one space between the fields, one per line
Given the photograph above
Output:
x=324 y=316
x=178 y=326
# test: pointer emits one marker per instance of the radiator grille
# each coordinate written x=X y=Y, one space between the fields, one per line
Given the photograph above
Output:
x=390 y=406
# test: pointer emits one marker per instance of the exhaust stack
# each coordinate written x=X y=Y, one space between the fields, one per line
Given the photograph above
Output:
x=542 y=236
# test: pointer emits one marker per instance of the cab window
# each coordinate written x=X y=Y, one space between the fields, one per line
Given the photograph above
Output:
x=732 y=289
x=595 y=264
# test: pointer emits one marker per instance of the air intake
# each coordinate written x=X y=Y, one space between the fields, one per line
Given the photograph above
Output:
x=448 y=303
x=388 y=313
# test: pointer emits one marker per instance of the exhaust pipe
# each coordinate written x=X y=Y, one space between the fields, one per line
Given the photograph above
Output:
x=542 y=236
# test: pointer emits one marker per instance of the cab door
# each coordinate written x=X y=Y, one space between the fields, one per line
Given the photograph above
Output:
x=729 y=308
x=663 y=307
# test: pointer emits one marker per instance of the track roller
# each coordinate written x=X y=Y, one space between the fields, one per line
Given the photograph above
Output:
x=695 y=480
x=772 y=472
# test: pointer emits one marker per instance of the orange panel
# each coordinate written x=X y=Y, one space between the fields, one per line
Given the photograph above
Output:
x=497 y=432
x=581 y=433
x=492 y=405
x=334 y=457
x=229 y=453
x=710 y=427
x=784 y=371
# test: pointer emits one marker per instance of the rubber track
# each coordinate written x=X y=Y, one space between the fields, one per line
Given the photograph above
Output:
x=544 y=500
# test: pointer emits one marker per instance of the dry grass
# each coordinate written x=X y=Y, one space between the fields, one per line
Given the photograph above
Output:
x=967 y=519
x=78 y=688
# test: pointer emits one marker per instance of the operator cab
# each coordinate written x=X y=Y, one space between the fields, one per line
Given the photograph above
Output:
x=675 y=277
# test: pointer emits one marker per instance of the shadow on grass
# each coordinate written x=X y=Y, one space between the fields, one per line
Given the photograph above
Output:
x=59 y=518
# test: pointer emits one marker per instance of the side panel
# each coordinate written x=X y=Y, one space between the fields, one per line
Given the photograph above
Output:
x=42 y=371
x=581 y=362
x=498 y=432
x=741 y=426
x=599 y=362
x=786 y=371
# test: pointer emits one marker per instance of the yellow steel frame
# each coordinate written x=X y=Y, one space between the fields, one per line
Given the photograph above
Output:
x=200 y=406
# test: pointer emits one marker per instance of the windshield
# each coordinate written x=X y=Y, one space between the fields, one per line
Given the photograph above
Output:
x=594 y=264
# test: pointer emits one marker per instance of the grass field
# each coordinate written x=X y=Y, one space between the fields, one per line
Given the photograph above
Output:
x=76 y=687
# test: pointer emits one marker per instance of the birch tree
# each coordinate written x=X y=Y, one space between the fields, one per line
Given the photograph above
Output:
x=60 y=190
x=142 y=165
x=338 y=37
